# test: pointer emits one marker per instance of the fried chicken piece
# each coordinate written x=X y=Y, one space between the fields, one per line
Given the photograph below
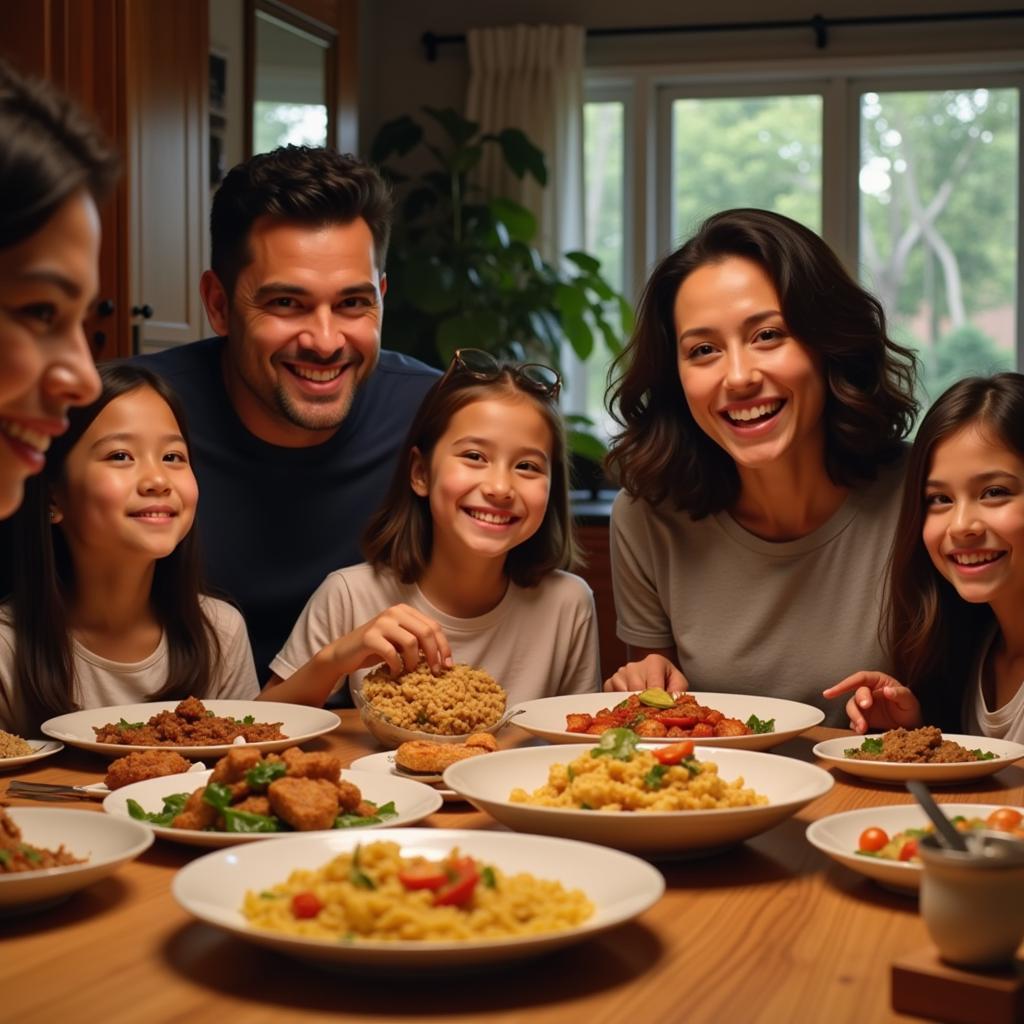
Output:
x=578 y=722
x=365 y=810
x=305 y=804
x=731 y=727
x=426 y=756
x=197 y=814
x=349 y=796
x=311 y=766
x=234 y=764
x=144 y=764
x=254 y=805
x=651 y=727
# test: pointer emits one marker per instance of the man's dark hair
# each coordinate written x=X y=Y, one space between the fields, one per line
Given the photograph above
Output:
x=302 y=184
x=50 y=150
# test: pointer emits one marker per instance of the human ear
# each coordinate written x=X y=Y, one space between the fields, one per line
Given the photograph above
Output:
x=383 y=285
x=216 y=301
x=419 y=478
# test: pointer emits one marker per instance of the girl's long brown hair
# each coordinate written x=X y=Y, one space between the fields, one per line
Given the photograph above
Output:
x=44 y=574
x=932 y=632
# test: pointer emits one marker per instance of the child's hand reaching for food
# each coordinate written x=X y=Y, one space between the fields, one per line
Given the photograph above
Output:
x=878 y=702
x=396 y=636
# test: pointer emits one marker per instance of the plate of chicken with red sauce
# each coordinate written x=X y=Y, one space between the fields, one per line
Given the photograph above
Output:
x=738 y=720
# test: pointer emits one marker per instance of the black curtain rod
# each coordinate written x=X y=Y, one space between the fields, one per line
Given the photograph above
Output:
x=817 y=24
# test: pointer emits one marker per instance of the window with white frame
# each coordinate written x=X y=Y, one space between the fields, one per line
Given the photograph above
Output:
x=913 y=178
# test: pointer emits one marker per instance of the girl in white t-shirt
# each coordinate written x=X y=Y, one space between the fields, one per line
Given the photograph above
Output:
x=955 y=598
x=465 y=554
x=106 y=607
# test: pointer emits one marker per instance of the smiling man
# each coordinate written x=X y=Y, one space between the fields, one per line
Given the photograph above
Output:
x=296 y=414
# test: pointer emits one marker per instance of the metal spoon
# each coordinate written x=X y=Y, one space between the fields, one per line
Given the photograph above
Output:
x=947 y=832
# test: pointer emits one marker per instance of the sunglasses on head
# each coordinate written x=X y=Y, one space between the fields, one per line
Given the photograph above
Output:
x=482 y=366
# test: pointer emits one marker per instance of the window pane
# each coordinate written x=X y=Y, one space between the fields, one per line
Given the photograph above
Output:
x=604 y=219
x=938 y=225
x=290 y=84
x=761 y=151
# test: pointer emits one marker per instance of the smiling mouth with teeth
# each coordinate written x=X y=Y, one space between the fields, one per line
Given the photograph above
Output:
x=977 y=557
x=753 y=414
x=317 y=376
x=28 y=437
x=490 y=517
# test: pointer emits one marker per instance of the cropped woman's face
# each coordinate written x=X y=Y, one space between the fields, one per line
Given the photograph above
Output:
x=47 y=283
x=753 y=388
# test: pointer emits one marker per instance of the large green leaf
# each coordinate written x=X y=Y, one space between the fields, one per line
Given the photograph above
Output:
x=472 y=329
x=626 y=315
x=522 y=155
x=457 y=128
x=582 y=443
x=584 y=261
x=579 y=334
x=521 y=223
x=570 y=300
x=397 y=136
x=429 y=285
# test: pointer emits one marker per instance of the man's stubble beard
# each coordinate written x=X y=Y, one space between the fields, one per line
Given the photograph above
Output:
x=314 y=419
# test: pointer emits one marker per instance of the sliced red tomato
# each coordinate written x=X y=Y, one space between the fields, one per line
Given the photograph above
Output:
x=424 y=876
x=679 y=721
x=1006 y=819
x=463 y=876
x=872 y=840
x=306 y=905
x=674 y=752
x=908 y=851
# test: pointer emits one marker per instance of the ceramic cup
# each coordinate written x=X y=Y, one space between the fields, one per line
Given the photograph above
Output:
x=973 y=903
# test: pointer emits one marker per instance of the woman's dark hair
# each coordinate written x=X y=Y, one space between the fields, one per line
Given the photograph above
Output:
x=301 y=184
x=49 y=151
x=44 y=575
x=400 y=533
x=932 y=632
x=662 y=453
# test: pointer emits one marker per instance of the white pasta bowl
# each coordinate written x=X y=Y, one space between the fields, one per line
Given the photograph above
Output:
x=620 y=887
x=789 y=784
x=107 y=843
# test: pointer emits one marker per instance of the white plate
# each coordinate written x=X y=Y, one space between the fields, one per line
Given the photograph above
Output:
x=832 y=753
x=837 y=836
x=383 y=762
x=620 y=887
x=413 y=802
x=789 y=784
x=298 y=723
x=107 y=842
x=40 y=749
x=546 y=717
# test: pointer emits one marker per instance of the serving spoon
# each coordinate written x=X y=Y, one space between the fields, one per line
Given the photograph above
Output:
x=947 y=832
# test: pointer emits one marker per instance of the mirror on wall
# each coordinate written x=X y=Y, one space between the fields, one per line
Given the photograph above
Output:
x=292 y=91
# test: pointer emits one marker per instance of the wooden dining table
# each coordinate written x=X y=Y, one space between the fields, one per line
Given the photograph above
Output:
x=769 y=930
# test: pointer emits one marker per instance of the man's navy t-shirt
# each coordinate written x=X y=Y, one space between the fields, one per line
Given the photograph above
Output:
x=275 y=521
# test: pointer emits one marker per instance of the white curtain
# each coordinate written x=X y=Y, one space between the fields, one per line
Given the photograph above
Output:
x=531 y=77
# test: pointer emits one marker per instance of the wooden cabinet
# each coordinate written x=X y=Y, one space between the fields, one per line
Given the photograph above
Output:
x=140 y=67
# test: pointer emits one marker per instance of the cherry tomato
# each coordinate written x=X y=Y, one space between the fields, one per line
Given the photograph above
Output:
x=306 y=905
x=464 y=875
x=423 y=876
x=679 y=721
x=872 y=840
x=908 y=851
x=1006 y=819
x=674 y=752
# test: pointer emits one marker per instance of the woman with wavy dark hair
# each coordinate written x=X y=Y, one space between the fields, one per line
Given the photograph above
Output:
x=107 y=606
x=53 y=169
x=954 y=609
x=763 y=408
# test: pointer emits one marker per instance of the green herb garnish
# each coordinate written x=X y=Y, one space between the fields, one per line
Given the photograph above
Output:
x=122 y=724
x=617 y=743
x=488 y=877
x=245 y=822
x=32 y=856
x=217 y=795
x=383 y=812
x=984 y=755
x=5 y=858
x=760 y=725
x=263 y=773
x=570 y=772
x=652 y=780
x=173 y=806
x=872 y=745
x=359 y=878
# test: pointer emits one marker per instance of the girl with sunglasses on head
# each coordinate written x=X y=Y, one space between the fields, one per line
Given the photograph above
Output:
x=466 y=556
x=107 y=606
x=954 y=612
x=53 y=170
